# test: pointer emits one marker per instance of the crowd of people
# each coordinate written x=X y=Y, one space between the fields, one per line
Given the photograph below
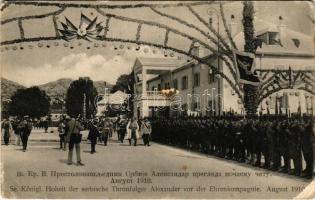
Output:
x=268 y=142
x=69 y=130
x=21 y=127
x=101 y=129
x=276 y=140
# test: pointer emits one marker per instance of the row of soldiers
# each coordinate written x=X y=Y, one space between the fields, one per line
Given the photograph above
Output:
x=245 y=140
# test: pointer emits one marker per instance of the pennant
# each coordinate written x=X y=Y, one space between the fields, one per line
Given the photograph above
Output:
x=245 y=68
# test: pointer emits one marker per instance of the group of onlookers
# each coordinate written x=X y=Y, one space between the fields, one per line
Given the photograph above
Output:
x=69 y=129
x=101 y=129
x=22 y=129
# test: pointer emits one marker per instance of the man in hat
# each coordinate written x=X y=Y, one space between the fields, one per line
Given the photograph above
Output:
x=74 y=138
x=146 y=131
x=93 y=134
x=7 y=129
x=25 y=130
x=132 y=131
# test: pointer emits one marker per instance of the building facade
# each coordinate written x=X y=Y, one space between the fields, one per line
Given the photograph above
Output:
x=201 y=92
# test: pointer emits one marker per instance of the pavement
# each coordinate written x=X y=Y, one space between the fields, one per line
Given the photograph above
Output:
x=123 y=171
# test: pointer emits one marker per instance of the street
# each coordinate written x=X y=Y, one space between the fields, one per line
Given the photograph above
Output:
x=123 y=171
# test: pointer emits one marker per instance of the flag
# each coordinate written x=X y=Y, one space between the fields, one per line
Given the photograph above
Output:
x=245 y=68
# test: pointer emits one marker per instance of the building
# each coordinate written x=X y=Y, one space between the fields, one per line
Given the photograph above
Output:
x=111 y=102
x=200 y=91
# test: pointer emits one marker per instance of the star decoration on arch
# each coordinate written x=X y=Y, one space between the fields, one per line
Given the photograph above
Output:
x=88 y=29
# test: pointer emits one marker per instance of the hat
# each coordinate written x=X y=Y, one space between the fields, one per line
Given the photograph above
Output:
x=26 y=116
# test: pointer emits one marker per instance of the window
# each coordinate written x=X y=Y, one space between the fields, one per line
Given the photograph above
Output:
x=196 y=79
x=274 y=38
x=211 y=78
x=175 y=84
x=270 y=38
x=184 y=82
x=296 y=42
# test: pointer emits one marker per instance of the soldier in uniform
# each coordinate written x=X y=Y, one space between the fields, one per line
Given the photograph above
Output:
x=307 y=141
x=294 y=142
x=25 y=130
x=284 y=150
x=121 y=130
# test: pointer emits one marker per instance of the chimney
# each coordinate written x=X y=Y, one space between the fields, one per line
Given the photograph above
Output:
x=198 y=51
x=233 y=26
x=282 y=29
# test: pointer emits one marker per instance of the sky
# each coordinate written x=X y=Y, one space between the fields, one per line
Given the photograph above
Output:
x=40 y=65
x=45 y=65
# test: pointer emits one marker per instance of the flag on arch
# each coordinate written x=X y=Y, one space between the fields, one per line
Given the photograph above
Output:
x=245 y=68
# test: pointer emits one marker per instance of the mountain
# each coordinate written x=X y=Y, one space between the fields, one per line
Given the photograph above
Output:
x=59 y=87
x=56 y=88
x=8 y=88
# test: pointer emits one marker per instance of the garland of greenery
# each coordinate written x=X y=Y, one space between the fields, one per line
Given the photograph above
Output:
x=250 y=91
x=166 y=37
x=33 y=16
x=138 y=32
x=226 y=27
x=107 y=6
x=21 y=28
x=221 y=40
x=122 y=18
x=106 y=28
x=5 y=5
x=55 y=25
x=200 y=60
x=227 y=51
x=191 y=26
x=214 y=51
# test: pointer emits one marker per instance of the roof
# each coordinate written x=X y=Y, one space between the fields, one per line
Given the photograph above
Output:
x=287 y=47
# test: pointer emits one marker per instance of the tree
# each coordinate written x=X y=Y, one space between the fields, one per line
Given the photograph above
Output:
x=250 y=91
x=124 y=83
x=75 y=97
x=30 y=101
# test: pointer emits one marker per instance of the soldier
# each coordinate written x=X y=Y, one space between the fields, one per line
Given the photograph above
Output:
x=25 y=129
x=284 y=150
x=93 y=134
x=121 y=130
x=229 y=138
x=257 y=136
x=249 y=129
x=105 y=130
x=7 y=129
x=308 y=141
x=276 y=158
x=294 y=142
x=267 y=144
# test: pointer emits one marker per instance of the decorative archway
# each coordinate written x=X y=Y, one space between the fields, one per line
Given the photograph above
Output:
x=192 y=30
x=204 y=34
x=279 y=79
